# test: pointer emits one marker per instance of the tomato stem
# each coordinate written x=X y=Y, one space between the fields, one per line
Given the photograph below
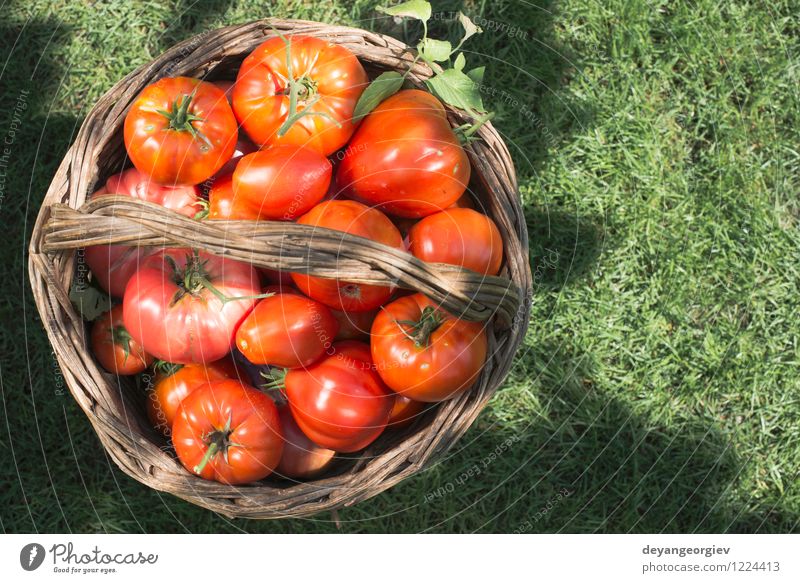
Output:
x=210 y=453
x=181 y=119
x=304 y=87
x=194 y=277
x=421 y=330
x=121 y=337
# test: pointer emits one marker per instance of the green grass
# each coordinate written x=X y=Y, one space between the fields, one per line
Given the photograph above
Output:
x=657 y=151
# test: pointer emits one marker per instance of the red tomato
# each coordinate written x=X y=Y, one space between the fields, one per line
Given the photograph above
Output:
x=283 y=182
x=354 y=325
x=227 y=88
x=180 y=131
x=340 y=402
x=423 y=352
x=302 y=458
x=458 y=236
x=184 y=306
x=404 y=412
x=223 y=204
x=328 y=80
x=354 y=218
x=405 y=158
x=113 y=265
x=171 y=389
x=286 y=330
x=114 y=348
x=229 y=432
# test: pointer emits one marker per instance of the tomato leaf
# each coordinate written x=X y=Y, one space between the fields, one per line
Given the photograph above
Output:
x=418 y=9
x=385 y=85
x=470 y=28
x=434 y=50
x=89 y=301
x=476 y=75
x=455 y=88
x=459 y=63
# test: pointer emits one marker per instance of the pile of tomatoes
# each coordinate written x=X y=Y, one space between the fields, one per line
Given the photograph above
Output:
x=259 y=371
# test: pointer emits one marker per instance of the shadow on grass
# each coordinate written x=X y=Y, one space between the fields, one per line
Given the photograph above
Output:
x=587 y=462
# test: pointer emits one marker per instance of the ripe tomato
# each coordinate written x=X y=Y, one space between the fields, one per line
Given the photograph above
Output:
x=171 y=389
x=340 y=401
x=425 y=353
x=243 y=148
x=180 y=131
x=224 y=204
x=354 y=325
x=302 y=458
x=404 y=412
x=113 y=265
x=327 y=80
x=458 y=236
x=286 y=330
x=405 y=158
x=114 y=348
x=229 y=432
x=354 y=218
x=282 y=182
x=184 y=306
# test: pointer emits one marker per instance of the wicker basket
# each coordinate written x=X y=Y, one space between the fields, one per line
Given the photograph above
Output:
x=115 y=406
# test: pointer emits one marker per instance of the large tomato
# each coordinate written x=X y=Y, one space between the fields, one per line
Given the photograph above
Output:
x=114 y=348
x=423 y=352
x=458 y=236
x=172 y=388
x=340 y=402
x=302 y=458
x=405 y=158
x=184 y=306
x=224 y=204
x=282 y=182
x=180 y=131
x=113 y=265
x=326 y=79
x=286 y=330
x=356 y=219
x=229 y=432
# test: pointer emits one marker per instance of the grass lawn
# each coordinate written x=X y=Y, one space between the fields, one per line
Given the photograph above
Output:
x=657 y=148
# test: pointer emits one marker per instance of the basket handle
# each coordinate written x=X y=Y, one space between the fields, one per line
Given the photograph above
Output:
x=317 y=251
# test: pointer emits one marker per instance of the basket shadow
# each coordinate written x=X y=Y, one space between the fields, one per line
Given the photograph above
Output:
x=584 y=461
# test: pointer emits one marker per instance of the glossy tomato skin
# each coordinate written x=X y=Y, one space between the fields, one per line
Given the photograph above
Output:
x=241 y=416
x=282 y=182
x=261 y=100
x=188 y=326
x=444 y=368
x=340 y=402
x=286 y=330
x=243 y=148
x=224 y=204
x=113 y=265
x=180 y=156
x=405 y=159
x=458 y=236
x=170 y=390
x=113 y=347
x=302 y=458
x=356 y=219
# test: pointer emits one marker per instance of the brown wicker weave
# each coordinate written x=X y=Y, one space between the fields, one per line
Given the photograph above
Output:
x=115 y=406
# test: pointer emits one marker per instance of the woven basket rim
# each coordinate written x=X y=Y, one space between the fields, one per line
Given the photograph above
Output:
x=111 y=408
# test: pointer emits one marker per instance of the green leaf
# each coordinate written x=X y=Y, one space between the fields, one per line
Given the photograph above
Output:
x=89 y=301
x=470 y=28
x=476 y=75
x=455 y=88
x=460 y=62
x=385 y=85
x=419 y=9
x=434 y=50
